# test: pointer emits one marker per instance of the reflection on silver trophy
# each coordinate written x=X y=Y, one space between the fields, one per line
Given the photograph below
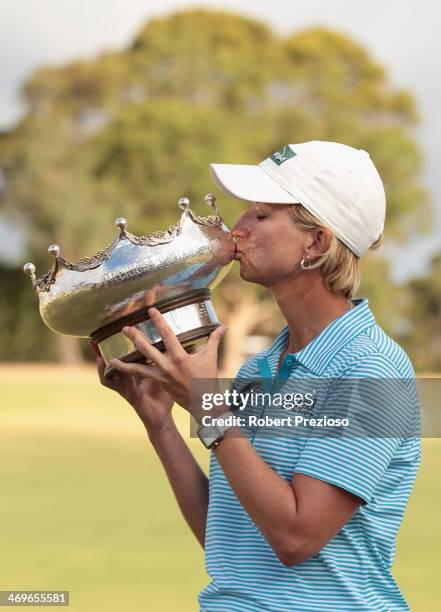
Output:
x=173 y=270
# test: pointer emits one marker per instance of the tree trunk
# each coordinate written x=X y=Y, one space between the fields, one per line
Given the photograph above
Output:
x=243 y=314
x=241 y=322
x=68 y=350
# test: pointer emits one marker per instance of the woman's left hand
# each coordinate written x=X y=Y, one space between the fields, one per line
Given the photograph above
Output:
x=176 y=369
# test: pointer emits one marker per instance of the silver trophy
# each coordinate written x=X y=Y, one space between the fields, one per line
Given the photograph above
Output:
x=173 y=270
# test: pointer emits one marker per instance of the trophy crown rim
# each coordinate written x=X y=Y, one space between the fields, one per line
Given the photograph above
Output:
x=155 y=238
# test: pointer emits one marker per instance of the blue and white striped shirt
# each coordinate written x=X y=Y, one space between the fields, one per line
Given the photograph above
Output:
x=353 y=571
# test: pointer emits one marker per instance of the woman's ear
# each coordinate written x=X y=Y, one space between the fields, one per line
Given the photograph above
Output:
x=321 y=241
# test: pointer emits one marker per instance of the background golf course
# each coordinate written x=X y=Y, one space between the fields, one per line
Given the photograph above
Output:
x=85 y=506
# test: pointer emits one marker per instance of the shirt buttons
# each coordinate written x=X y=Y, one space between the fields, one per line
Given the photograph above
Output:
x=290 y=360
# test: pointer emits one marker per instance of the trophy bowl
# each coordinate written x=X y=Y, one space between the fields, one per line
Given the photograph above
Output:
x=173 y=269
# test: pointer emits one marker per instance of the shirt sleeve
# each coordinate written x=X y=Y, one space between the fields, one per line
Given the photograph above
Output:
x=380 y=414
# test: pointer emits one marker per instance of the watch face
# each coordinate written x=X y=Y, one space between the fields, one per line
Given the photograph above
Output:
x=209 y=435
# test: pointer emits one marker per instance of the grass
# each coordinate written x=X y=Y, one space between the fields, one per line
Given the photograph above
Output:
x=85 y=506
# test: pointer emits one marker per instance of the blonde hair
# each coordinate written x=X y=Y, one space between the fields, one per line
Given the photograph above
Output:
x=339 y=266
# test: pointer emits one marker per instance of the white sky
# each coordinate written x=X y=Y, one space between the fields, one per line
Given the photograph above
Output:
x=401 y=34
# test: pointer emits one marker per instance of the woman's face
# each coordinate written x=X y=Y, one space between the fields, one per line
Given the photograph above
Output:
x=270 y=246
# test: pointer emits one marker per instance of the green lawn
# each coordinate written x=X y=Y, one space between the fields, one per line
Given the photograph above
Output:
x=85 y=507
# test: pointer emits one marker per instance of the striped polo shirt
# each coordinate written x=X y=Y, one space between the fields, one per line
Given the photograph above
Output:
x=353 y=570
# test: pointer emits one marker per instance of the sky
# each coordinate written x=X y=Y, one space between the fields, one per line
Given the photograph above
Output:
x=400 y=34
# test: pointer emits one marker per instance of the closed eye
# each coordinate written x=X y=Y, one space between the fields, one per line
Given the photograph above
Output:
x=261 y=217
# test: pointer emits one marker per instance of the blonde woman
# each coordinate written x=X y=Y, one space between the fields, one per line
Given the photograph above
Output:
x=308 y=522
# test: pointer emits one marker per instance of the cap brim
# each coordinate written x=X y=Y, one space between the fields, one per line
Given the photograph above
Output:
x=249 y=183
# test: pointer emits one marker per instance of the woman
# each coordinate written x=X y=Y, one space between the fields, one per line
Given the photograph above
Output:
x=308 y=522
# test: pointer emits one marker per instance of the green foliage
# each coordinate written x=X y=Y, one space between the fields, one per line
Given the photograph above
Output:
x=24 y=335
x=423 y=336
x=386 y=300
x=129 y=132
x=206 y=58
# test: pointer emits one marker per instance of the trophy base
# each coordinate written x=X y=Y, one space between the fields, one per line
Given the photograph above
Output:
x=190 y=315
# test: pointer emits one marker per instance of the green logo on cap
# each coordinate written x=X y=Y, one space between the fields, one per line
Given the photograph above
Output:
x=279 y=157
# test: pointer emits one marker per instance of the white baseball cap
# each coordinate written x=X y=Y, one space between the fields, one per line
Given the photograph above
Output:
x=336 y=183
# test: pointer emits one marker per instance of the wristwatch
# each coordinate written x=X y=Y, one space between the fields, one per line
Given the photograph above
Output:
x=211 y=435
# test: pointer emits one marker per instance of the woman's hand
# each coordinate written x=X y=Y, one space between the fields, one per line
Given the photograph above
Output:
x=175 y=369
x=147 y=396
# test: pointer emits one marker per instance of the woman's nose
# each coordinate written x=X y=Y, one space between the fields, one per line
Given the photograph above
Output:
x=238 y=234
x=241 y=229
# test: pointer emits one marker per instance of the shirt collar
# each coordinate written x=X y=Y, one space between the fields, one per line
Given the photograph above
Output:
x=317 y=354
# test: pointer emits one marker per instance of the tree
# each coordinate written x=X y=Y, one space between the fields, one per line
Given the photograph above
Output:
x=131 y=131
x=421 y=333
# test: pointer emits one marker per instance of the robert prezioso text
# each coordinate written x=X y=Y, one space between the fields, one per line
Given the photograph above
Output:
x=297 y=420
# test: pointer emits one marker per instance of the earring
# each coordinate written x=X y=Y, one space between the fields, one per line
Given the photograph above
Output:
x=305 y=263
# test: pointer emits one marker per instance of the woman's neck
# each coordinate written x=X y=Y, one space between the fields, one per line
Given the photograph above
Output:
x=308 y=310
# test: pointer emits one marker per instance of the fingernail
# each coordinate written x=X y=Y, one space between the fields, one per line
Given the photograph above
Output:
x=125 y=330
x=152 y=311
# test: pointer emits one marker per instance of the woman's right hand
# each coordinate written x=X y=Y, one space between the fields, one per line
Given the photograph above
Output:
x=152 y=403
